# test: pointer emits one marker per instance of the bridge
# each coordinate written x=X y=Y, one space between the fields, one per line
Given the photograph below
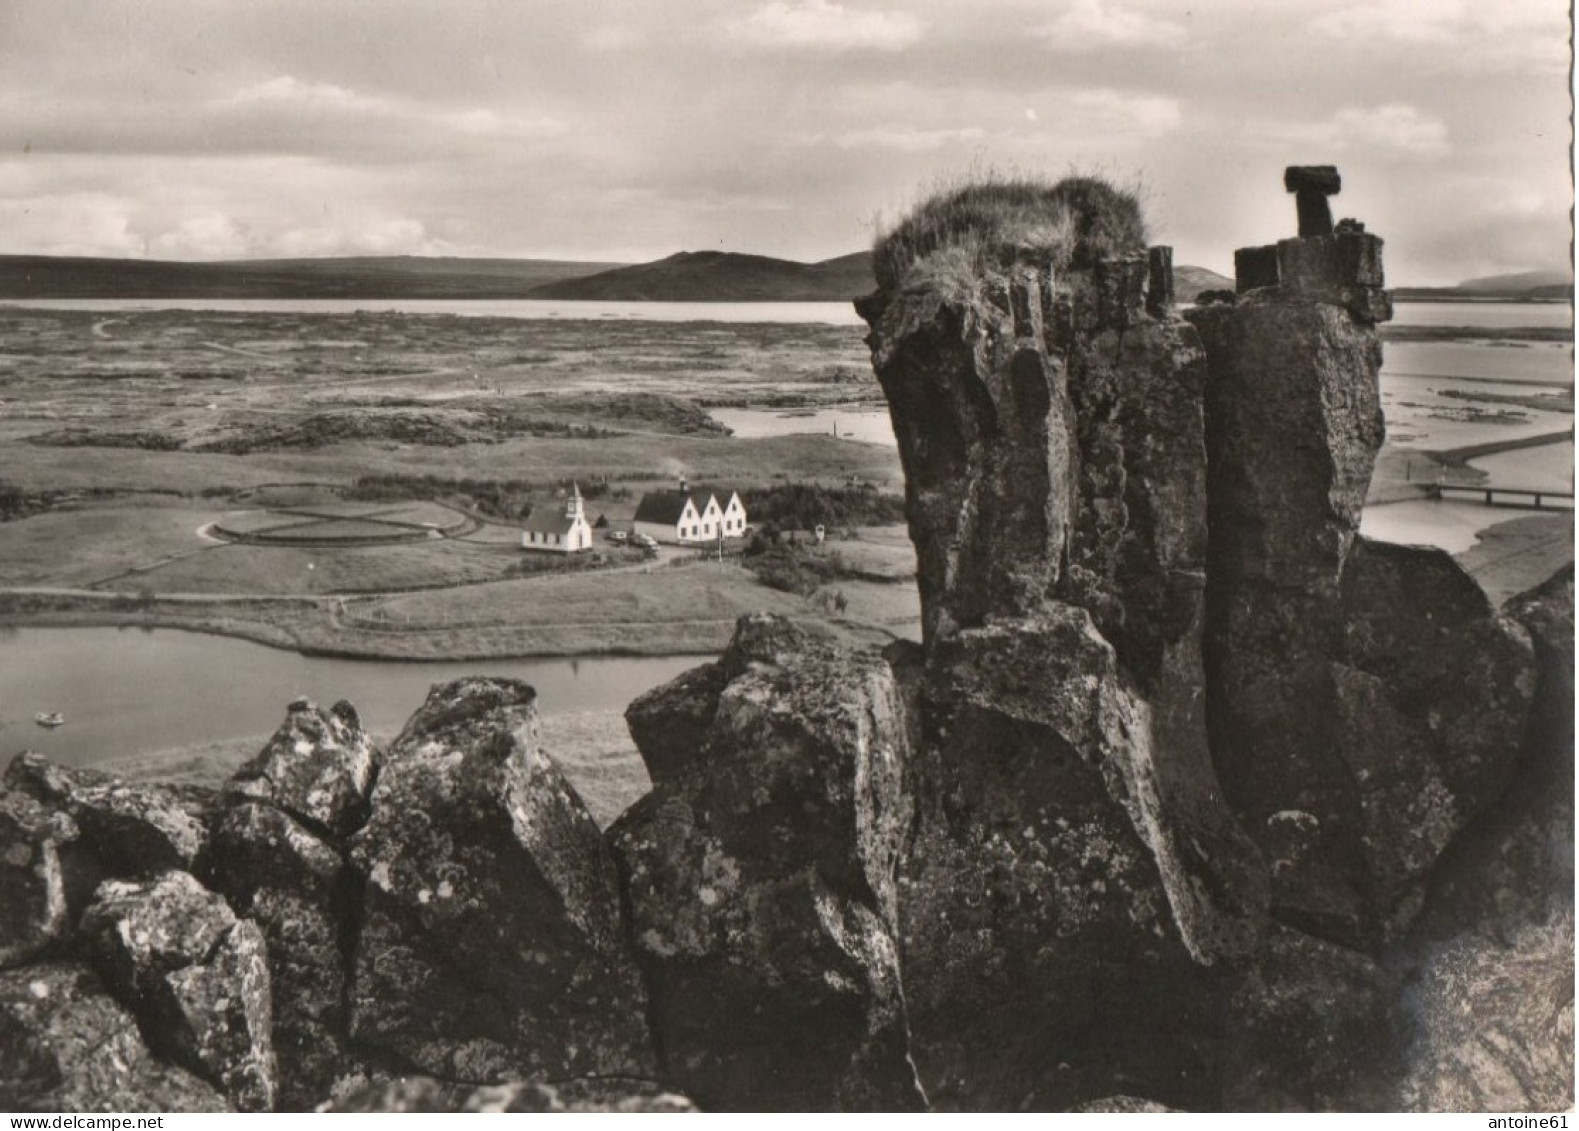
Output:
x=1524 y=498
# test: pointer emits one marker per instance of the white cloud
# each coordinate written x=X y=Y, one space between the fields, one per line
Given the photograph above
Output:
x=1526 y=33
x=1393 y=128
x=367 y=236
x=309 y=116
x=1148 y=113
x=908 y=139
x=827 y=26
x=73 y=223
x=213 y=235
x=1094 y=24
x=287 y=90
x=612 y=37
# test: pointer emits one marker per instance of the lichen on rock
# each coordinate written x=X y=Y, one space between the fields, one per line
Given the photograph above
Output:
x=760 y=874
x=491 y=944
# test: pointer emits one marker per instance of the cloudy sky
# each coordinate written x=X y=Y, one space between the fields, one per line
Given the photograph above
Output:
x=630 y=129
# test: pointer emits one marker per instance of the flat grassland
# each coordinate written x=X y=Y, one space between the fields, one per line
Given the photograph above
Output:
x=143 y=455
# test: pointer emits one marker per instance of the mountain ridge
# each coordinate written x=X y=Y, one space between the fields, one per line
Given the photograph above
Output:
x=686 y=276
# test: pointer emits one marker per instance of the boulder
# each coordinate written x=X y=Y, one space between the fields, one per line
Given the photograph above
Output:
x=1312 y=1027
x=127 y=829
x=301 y=894
x=67 y=1045
x=1489 y=1012
x=669 y=723
x=1061 y=916
x=761 y=880
x=1433 y=694
x=196 y=977
x=318 y=767
x=491 y=942
x=1126 y=1104
x=425 y=1094
x=32 y=885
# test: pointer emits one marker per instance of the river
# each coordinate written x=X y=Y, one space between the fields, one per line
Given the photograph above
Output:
x=131 y=691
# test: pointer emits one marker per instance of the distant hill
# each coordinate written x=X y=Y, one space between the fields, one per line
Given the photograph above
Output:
x=1525 y=286
x=723 y=276
x=403 y=276
x=690 y=276
x=1191 y=281
x=1520 y=283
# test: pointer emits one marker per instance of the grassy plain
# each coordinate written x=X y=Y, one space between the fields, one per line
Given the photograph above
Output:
x=126 y=435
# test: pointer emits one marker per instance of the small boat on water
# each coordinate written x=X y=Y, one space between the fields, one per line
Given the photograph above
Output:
x=49 y=719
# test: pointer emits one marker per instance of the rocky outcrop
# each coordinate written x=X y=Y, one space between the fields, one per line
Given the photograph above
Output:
x=278 y=855
x=1061 y=919
x=1049 y=414
x=761 y=876
x=425 y=1094
x=1190 y=797
x=491 y=945
x=67 y=1045
x=32 y=884
x=124 y=829
x=1488 y=1009
x=1354 y=689
x=318 y=768
x=196 y=977
x=299 y=891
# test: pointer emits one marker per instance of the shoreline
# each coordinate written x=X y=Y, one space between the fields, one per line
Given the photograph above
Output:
x=415 y=648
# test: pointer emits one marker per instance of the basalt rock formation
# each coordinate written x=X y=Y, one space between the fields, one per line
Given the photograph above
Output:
x=353 y=918
x=761 y=875
x=1190 y=797
x=491 y=939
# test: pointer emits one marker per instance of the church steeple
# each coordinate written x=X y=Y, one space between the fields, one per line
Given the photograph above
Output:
x=573 y=503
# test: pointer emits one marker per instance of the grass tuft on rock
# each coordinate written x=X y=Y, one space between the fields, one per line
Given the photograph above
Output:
x=963 y=232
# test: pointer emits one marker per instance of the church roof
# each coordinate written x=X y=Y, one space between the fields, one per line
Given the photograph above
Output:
x=548 y=520
x=666 y=507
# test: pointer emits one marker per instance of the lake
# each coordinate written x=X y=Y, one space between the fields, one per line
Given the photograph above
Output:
x=1493 y=315
x=129 y=691
x=531 y=310
x=868 y=425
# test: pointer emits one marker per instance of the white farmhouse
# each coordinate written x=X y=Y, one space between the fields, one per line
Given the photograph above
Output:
x=558 y=532
x=690 y=515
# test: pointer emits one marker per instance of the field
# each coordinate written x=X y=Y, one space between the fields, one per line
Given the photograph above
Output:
x=354 y=483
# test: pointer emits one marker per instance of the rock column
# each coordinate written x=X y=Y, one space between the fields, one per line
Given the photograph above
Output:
x=1074 y=876
x=1335 y=668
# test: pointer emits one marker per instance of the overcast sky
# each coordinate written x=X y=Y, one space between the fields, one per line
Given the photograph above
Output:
x=628 y=130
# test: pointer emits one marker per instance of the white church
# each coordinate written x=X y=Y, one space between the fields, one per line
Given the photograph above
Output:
x=558 y=532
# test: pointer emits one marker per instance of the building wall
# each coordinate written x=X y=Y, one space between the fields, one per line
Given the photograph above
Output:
x=575 y=540
x=734 y=517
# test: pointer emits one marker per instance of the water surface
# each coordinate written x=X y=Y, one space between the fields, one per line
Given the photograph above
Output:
x=837 y=313
x=129 y=691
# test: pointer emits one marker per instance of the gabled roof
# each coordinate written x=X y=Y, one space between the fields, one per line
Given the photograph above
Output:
x=666 y=507
x=548 y=520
